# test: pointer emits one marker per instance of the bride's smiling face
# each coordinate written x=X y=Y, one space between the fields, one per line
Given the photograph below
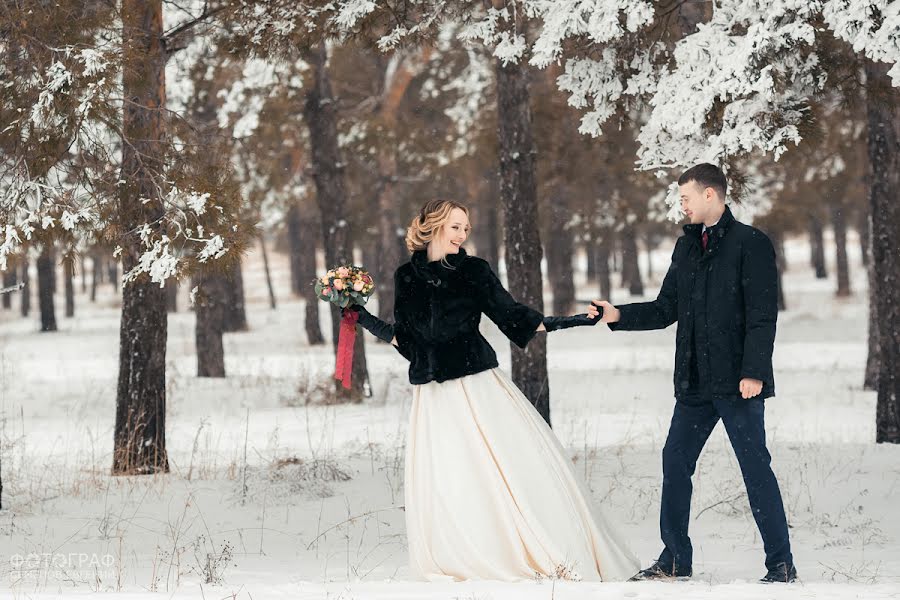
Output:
x=453 y=234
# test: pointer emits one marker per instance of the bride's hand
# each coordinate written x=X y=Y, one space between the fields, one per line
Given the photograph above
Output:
x=606 y=312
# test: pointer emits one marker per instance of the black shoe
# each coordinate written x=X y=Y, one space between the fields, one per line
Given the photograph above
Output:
x=658 y=571
x=781 y=573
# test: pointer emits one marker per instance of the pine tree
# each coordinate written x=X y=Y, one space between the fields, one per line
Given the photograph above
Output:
x=320 y=111
x=140 y=428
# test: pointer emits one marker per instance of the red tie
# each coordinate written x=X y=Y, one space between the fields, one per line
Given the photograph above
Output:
x=705 y=238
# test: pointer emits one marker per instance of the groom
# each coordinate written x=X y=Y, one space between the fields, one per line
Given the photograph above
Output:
x=721 y=288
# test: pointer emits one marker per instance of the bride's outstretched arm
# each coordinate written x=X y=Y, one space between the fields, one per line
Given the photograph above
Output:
x=518 y=322
x=581 y=320
x=515 y=319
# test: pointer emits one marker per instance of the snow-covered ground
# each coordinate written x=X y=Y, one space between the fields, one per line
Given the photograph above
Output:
x=272 y=497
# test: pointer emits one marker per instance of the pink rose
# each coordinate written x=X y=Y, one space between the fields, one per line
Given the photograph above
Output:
x=326 y=291
x=338 y=284
x=343 y=272
x=358 y=286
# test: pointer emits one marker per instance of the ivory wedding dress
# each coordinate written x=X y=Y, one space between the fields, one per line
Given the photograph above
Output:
x=491 y=494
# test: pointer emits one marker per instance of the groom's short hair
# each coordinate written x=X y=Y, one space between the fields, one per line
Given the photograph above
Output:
x=706 y=175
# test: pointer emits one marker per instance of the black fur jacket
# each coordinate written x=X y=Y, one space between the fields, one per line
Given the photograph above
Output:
x=437 y=309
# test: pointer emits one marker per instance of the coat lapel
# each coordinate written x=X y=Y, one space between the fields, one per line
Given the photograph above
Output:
x=717 y=233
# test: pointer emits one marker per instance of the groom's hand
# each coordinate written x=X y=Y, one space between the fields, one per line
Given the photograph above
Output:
x=750 y=388
x=611 y=314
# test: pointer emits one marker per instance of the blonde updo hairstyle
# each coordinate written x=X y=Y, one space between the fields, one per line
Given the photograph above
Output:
x=427 y=224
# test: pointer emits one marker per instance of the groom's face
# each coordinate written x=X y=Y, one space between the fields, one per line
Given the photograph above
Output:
x=695 y=201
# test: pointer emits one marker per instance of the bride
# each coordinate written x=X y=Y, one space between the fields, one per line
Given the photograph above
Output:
x=489 y=491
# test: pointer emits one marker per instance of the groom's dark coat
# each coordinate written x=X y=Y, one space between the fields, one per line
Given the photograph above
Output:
x=725 y=303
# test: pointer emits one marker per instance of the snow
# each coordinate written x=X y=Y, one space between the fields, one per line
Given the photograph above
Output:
x=318 y=510
x=599 y=21
x=878 y=38
x=244 y=100
x=352 y=11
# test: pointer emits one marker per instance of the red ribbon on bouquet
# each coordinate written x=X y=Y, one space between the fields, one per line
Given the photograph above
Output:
x=346 y=341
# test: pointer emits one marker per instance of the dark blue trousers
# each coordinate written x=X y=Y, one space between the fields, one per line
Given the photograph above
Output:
x=690 y=428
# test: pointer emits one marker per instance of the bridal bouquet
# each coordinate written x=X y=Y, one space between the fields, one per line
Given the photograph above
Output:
x=345 y=286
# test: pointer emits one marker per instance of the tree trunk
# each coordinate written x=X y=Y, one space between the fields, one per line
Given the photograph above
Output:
x=883 y=144
x=314 y=335
x=864 y=230
x=873 y=364
x=369 y=248
x=10 y=278
x=299 y=247
x=870 y=382
x=488 y=225
x=309 y=234
x=112 y=273
x=235 y=311
x=591 y=249
x=522 y=240
x=601 y=251
x=631 y=268
x=69 y=276
x=777 y=238
x=218 y=302
x=782 y=252
x=45 y=267
x=26 y=291
x=320 y=114
x=839 y=224
x=172 y=295
x=96 y=273
x=100 y=257
x=560 y=251
x=140 y=428
x=268 y=272
x=623 y=263
x=83 y=262
x=53 y=277
x=817 y=247
x=210 y=307
x=390 y=248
